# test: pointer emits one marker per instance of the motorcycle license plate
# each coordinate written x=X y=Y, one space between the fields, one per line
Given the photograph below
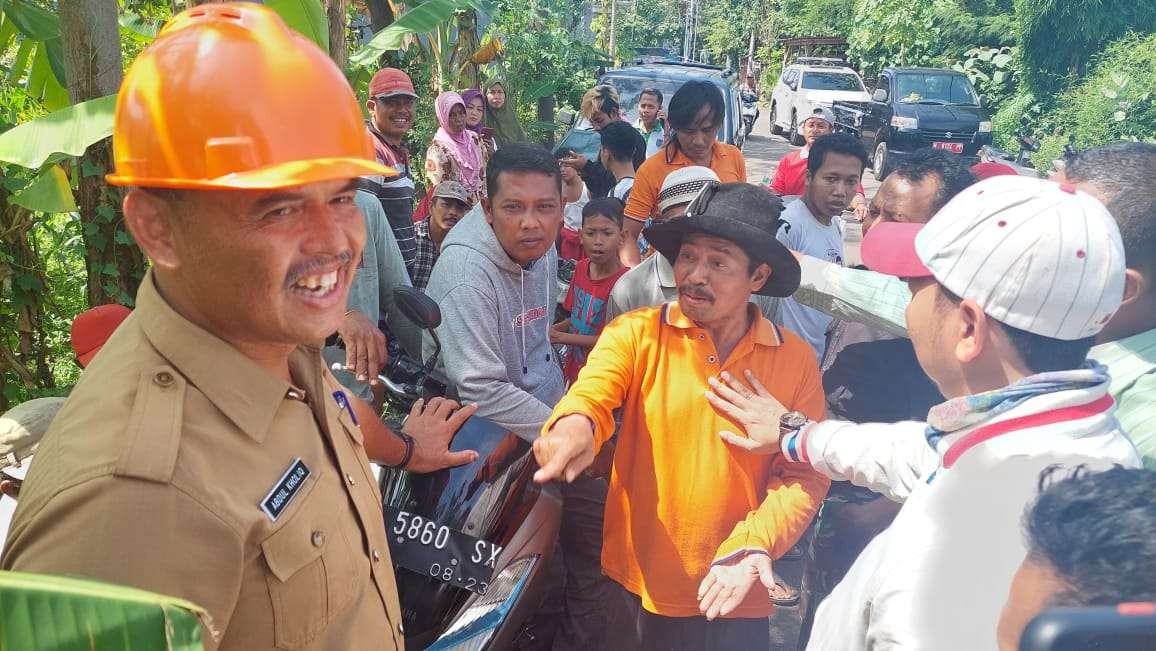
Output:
x=953 y=147
x=422 y=545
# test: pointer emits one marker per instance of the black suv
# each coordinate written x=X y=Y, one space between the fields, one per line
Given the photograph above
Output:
x=913 y=108
x=668 y=77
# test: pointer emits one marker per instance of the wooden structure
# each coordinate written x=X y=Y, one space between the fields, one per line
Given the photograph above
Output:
x=812 y=46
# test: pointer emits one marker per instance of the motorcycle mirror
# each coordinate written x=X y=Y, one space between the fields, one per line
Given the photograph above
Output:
x=418 y=307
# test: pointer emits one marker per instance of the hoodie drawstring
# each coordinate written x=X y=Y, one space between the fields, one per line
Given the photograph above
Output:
x=522 y=329
x=547 y=320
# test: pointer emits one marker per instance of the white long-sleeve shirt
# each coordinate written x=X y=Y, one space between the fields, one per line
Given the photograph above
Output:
x=938 y=577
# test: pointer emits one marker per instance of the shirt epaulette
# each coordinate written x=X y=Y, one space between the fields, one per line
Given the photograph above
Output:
x=153 y=433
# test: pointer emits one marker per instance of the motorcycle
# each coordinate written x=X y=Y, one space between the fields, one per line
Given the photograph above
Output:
x=471 y=545
x=750 y=111
x=1020 y=161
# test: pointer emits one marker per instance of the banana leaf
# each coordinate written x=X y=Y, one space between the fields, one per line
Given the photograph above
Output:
x=40 y=612
x=49 y=192
x=32 y=21
x=67 y=131
x=422 y=19
x=305 y=16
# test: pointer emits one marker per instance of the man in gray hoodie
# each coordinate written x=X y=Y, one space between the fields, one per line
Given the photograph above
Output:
x=496 y=284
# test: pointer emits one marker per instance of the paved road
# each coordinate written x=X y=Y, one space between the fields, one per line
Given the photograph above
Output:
x=763 y=152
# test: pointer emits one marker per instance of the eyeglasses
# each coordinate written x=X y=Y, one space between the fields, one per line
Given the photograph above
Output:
x=698 y=205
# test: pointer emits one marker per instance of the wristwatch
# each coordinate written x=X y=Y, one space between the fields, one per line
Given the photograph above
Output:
x=792 y=422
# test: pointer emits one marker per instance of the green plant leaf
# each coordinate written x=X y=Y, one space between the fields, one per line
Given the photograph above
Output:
x=998 y=76
x=88 y=614
x=542 y=90
x=20 y=62
x=138 y=27
x=48 y=192
x=305 y=16
x=1001 y=60
x=422 y=19
x=33 y=21
x=69 y=131
x=1119 y=116
x=1109 y=93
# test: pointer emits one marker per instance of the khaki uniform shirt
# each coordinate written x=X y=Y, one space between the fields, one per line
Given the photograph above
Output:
x=155 y=472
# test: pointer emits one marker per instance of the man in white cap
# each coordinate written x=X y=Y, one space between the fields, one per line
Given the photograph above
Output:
x=652 y=282
x=1010 y=284
x=21 y=429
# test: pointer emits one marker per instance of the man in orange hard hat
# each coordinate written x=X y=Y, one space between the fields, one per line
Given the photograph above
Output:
x=207 y=452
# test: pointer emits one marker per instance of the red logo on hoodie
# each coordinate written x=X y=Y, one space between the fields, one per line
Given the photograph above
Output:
x=529 y=316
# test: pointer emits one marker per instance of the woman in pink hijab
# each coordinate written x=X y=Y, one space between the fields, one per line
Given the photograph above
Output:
x=456 y=153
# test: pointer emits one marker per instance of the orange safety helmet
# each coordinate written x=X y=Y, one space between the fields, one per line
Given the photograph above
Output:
x=229 y=97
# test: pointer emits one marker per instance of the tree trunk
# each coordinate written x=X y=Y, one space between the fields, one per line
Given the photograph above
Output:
x=381 y=14
x=22 y=343
x=465 y=48
x=92 y=61
x=338 y=49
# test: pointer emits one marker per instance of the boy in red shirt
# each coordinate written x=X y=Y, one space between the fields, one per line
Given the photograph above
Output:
x=594 y=277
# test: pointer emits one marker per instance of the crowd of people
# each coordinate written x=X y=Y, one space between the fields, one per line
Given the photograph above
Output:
x=980 y=393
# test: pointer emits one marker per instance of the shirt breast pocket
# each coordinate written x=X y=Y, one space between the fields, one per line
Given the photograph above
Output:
x=312 y=565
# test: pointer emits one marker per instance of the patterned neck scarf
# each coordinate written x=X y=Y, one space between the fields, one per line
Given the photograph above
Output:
x=966 y=411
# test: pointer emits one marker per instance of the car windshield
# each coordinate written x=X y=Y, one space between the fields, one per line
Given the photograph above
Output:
x=935 y=88
x=831 y=81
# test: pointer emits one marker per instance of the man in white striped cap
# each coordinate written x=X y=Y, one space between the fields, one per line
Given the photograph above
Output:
x=1011 y=282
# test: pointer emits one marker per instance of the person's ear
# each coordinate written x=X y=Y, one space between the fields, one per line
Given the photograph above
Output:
x=760 y=277
x=150 y=220
x=973 y=332
x=1135 y=285
x=486 y=208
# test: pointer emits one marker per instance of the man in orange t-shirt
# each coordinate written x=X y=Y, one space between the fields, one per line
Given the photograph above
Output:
x=692 y=524
x=697 y=111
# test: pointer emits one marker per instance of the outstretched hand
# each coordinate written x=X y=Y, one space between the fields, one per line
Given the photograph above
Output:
x=752 y=406
x=727 y=584
x=433 y=425
x=566 y=450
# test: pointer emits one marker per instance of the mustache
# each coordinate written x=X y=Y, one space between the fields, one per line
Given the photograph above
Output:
x=696 y=291
x=310 y=267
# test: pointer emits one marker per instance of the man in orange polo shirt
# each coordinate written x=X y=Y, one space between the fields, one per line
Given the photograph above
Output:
x=697 y=110
x=691 y=526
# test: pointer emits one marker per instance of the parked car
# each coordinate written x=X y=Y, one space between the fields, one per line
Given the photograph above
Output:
x=668 y=77
x=806 y=84
x=913 y=108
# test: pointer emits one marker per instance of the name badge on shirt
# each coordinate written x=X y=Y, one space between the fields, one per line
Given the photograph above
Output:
x=285 y=489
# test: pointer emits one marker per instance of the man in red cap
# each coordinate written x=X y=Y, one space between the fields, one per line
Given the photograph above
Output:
x=392 y=106
x=91 y=328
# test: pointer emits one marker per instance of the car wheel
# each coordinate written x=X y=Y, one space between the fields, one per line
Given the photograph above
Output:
x=794 y=136
x=776 y=130
x=881 y=162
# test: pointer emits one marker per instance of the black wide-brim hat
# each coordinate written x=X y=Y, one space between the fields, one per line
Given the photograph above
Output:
x=742 y=213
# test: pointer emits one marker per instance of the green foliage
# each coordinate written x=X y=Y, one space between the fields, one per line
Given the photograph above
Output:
x=1117 y=101
x=993 y=71
x=542 y=49
x=422 y=19
x=649 y=23
x=964 y=25
x=816 y=17
x=1005 y=123
x=1058 y=38
x=892 y=32
x=305 y=16
x=772 y=60
x=68 y=131
x=41 y=612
